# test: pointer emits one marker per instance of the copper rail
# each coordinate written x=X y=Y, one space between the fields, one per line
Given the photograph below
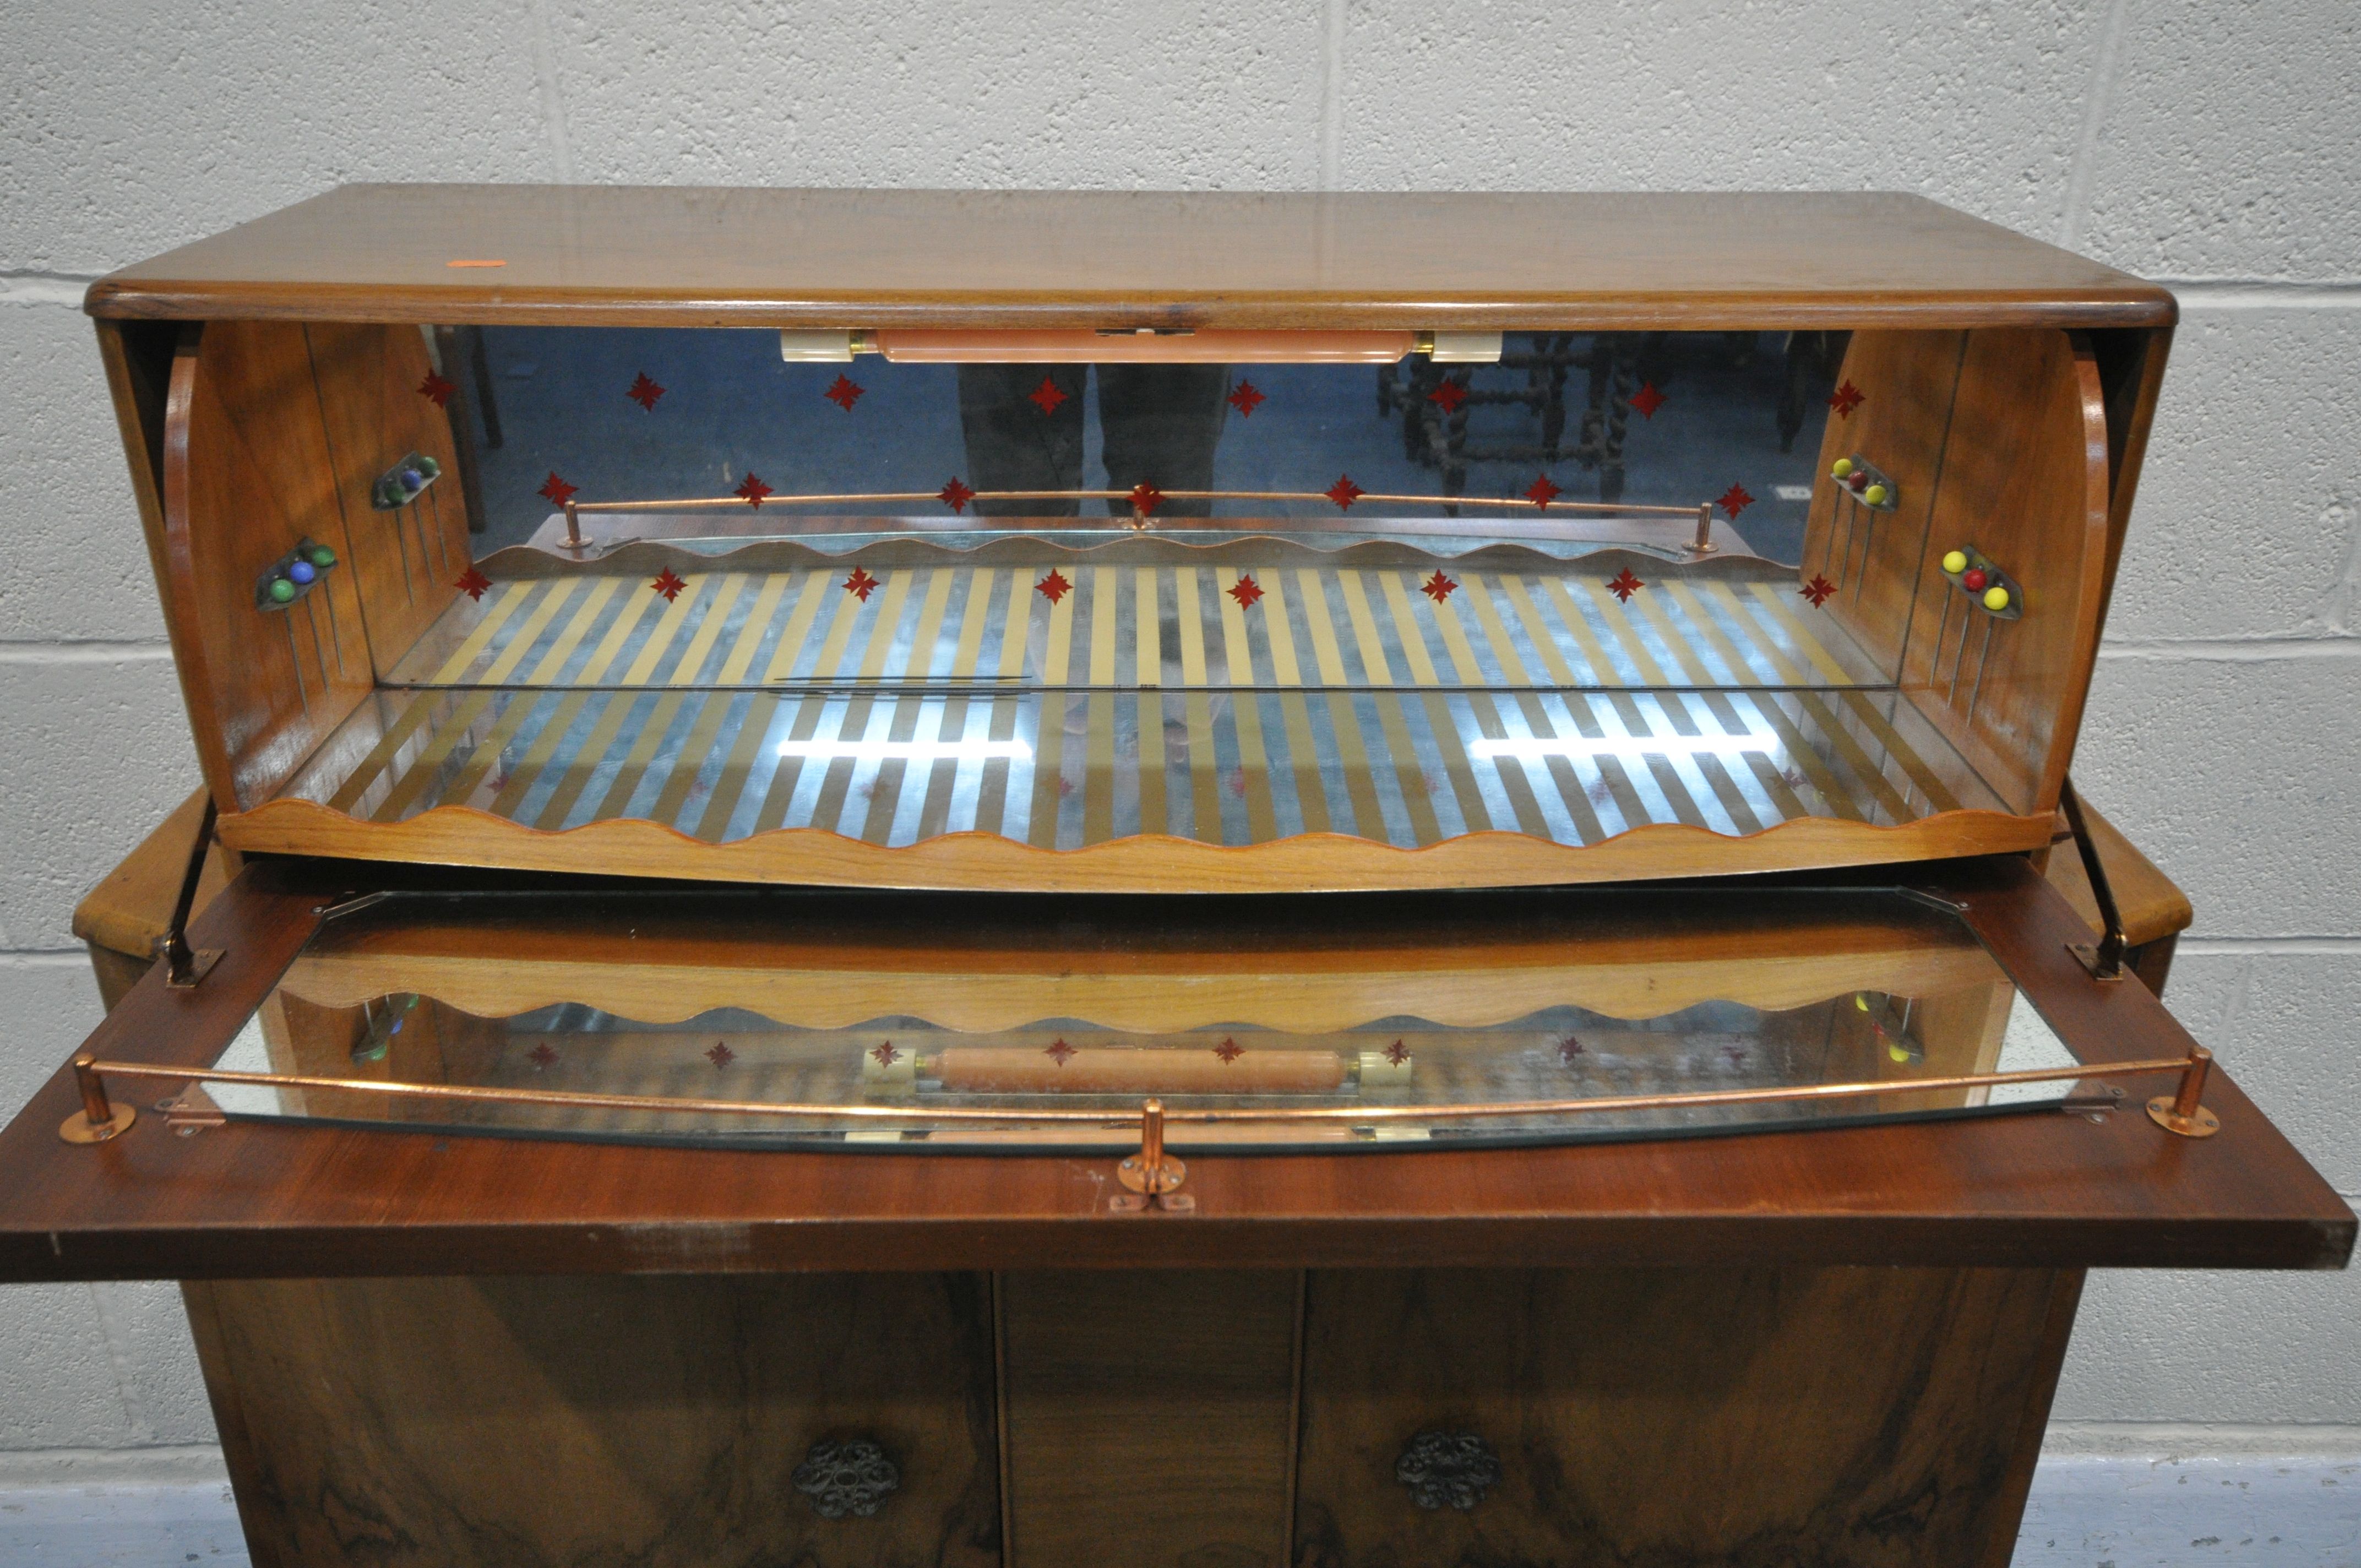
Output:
x=89 y=1074
x=1702 y=511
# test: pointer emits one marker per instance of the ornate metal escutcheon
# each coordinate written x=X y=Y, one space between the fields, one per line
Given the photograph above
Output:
x=849 y=1478
x=1454 y=1468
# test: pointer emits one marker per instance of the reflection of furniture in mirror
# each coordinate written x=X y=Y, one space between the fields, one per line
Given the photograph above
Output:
x=1445 y=1005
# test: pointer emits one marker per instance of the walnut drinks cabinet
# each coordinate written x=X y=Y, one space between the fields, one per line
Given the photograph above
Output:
x=1215 y=879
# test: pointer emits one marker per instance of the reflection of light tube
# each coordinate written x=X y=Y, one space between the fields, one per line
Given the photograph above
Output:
x=1533 y=750
x=1082 y=345
x=1079 y=346
x=911 y=751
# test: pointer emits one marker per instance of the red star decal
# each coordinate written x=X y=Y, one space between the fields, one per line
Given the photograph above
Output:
x=435 y=389
x=955 y=496
x=1246 y=397
x=1568 y=1049
x=1229 y=1051
x=1245 y=590
x=558 y=492
x=1818 y=589
x=541 y=1057
x=1398 y=1053
x=752 y=491
x=1450 y=395
x=1541 y=492
x=1344 y=492
x=1734 y=501
x=1046 y=397
x=1647 y=400
x=1059 y=1052
x=1735 y=1053
x=886 y=1055
x=844 y=391
x=1623 y=585
x=1438 y=588
x=860 y=585
x=669 y=583
x=644 y=391
x=1146 y=498
x=473 y=583
x=720 y=1055
x=1846 y=399
x=1054 y=586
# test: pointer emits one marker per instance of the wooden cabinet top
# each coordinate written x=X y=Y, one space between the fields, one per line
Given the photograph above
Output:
x=761 y=257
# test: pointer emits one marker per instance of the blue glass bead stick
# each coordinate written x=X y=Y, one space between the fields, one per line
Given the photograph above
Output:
x=425 y=553
x=319 y=651
x=295 y=658
x=442 y=554
x=402 y=545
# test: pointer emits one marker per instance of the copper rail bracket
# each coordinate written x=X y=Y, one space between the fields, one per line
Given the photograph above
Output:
x=1153 y=1176
x=97 y=1122
x=2179 y=1113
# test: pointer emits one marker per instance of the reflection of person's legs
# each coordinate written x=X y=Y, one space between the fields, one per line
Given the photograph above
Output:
x=1013 y=444
x=1161 y=424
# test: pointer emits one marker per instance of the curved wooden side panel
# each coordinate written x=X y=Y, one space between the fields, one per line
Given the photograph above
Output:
x=275 y=433
x=2025 y=481
x=1997 y=439
x=406 y=564
x=1907 y=381
x=1310 y=862
x=248 y=475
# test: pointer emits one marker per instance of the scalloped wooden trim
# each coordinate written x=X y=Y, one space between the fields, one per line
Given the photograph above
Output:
x=1309 y=862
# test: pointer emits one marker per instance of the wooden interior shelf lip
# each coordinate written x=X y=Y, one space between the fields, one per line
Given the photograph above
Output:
x=461 y=834
x=934 y=259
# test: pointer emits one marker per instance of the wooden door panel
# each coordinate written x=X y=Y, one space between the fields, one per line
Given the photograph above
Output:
x=652 y=1421
x=1679 y=1416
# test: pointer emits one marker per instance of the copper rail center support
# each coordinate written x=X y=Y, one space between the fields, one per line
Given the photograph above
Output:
x=2182 y=1113
x=1153 y=1176
x=97 y=1122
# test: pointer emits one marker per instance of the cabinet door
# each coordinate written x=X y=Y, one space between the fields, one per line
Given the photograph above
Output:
x=507 y=1422
x=1674 y=1416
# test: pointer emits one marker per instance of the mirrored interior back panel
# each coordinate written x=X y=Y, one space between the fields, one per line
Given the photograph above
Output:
x=1161 y=609
x=750 y=1018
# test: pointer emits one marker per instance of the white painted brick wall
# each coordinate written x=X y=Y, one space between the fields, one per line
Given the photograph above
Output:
x=2210 y=145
